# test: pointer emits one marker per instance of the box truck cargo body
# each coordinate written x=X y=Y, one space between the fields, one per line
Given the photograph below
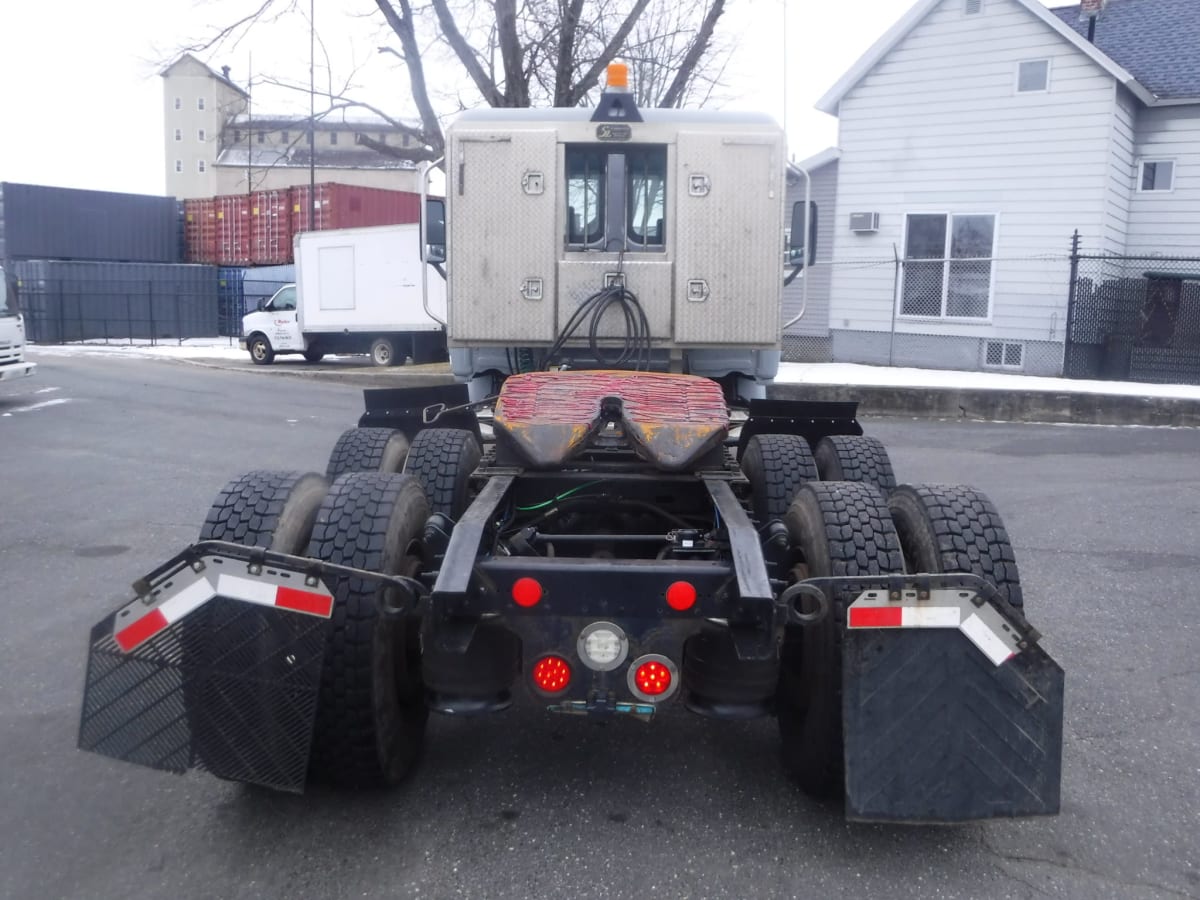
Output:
x=358 y=290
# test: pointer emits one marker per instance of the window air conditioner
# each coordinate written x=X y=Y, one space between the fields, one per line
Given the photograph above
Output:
x=864 y=223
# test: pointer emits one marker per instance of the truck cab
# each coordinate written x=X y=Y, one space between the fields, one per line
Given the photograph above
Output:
x=274 y=328
x=12 y=333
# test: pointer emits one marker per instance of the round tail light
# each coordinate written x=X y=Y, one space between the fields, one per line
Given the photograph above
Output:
x=552 y=674
x=653 y=677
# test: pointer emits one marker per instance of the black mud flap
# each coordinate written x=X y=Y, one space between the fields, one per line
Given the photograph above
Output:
x=216 y=665
x=937 y=731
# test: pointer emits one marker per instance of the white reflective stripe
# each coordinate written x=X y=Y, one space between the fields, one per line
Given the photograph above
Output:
x=985 y=639
x=930 y=617
x=252 y=590
x=191 y=597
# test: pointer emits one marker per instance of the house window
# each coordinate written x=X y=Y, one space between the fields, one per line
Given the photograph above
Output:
x=333 y=138
x=1157 y=175
x=199 y=103
x=200 y=166
x=200 y=135
x=1033 y=76
x=179 y=103
x=179 y=165
x=972 y=7
x=179 y=134
x=948 y=266
x=1004 y=355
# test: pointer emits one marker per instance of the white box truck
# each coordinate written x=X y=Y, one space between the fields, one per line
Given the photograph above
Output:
x=357 y=290
x=12 y=333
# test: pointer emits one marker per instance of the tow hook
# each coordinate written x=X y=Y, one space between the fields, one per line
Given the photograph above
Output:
x=793 y=599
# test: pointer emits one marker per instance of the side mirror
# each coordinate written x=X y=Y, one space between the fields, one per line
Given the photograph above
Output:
x=262 y=304
x=435 y=230
x=802 y=252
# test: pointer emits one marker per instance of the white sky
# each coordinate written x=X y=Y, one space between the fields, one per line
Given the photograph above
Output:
x=82 y=100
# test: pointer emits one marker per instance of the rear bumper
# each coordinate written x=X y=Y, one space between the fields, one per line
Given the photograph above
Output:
x=17 y=370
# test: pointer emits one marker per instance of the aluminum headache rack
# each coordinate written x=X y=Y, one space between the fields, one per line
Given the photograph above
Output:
x=952 y=711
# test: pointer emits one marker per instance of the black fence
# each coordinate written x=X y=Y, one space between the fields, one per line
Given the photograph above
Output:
x=80 y=301
x=1134 y=318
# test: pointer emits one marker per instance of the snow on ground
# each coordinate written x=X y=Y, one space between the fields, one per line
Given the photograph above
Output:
x=790 y=373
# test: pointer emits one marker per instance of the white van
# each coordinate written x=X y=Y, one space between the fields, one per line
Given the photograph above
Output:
x=12 y=333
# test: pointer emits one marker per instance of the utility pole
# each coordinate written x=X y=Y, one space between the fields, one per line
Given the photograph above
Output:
x=312 y=112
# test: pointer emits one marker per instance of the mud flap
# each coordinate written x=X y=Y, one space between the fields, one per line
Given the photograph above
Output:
x=938 y=730
x=215 y=665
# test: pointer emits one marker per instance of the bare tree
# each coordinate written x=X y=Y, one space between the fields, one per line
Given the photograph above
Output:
x=533 y=52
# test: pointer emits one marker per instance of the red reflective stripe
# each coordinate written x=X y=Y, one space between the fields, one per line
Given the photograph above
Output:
x=140 y=631
x=304 y=601
x=876 y=616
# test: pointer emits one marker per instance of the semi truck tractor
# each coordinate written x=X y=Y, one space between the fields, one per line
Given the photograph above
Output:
x=606 y=516
x=12 y=333
x=357 y=290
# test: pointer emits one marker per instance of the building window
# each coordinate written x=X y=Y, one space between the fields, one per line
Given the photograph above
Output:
x=262 y=137
x=200 y=166
x=1033 y=76
x=179 y=103
x=1004 y=355
x=179 y=165
x=308 y=138
x=199 y=103
x=200 y=135
x=972 y=7
x=948 y=266
x=383 y=138
x=404 y=141
x=283 y=137
x=179 y=134
x=333 y=138
x=1157 y=175
x=237 y=136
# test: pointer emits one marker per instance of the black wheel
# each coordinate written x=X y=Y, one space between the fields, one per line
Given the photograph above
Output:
x=837 y=528
x=367 y=450
x=850 y=457
x=276 y=511
x=314 y=354
x=776 y=464
x=442 y=459
x=946 y=528
x=371 y=709
x=261 y=353
x=383 y=352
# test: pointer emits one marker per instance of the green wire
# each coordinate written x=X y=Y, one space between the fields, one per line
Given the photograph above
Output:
x=561 y=496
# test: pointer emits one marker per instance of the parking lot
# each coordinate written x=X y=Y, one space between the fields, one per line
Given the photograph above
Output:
x=110 y=465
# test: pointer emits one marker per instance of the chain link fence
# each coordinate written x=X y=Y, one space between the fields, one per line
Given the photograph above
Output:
x=1134 y=318
x=996 y=314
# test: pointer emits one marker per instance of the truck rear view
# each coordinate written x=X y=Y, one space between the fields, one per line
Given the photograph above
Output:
x=605 y=517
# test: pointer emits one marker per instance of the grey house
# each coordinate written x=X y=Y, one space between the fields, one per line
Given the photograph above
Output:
x=973 y=138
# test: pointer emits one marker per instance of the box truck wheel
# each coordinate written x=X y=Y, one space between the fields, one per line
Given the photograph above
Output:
x=837 y=528
x=371 y=708
x=314 y=354
x=383 y=352
x=855 y=457
x=261 y=353
x=946 y=528
x=275 y=510
x=776 y=465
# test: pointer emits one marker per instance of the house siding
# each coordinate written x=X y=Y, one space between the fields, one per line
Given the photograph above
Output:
x=1115 y=232
x=807 y=338
x=1167 y=222
x=937 y=126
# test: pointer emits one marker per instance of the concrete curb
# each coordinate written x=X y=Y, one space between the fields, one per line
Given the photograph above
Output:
x=1003 y=406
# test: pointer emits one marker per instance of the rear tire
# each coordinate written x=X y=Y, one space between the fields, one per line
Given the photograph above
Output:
x=261 y=353
x=383 y=352
x=776 y=465
x=855 y=457
x=839 y=529
x=947 y=528
x=443 y=459
x=314 y=355
x=367 y=450
x=371 y=710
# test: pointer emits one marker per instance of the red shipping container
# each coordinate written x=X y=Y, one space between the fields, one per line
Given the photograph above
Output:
x=233 y=230
x=351 y=206
x=270 y=228
x=199 y=231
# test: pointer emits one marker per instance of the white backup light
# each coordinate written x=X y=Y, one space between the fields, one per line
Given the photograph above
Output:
x=603 y=646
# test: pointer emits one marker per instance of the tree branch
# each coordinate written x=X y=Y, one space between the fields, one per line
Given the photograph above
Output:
x=592 y=77
x=699 y=46
x=486 y=86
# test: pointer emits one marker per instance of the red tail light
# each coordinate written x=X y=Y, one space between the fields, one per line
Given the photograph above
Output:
x=681 y=596
x=526 y=592
x=552 y=674
x=653 y=677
